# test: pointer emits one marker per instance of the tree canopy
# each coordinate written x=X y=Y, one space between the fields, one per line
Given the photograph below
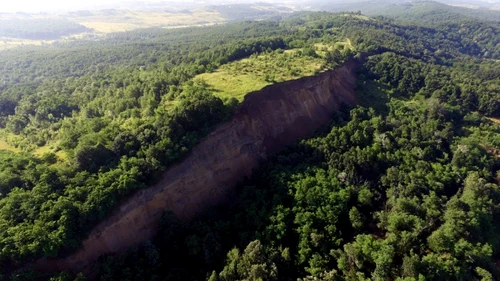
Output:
x=403 y=187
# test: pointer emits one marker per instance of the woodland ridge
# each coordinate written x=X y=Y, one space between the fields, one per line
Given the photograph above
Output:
x=403 y=186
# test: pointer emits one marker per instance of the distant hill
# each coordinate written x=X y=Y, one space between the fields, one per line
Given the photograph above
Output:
x=429 y=12
x=25 y=27
x=44 y=26
x=39 y=29
x=254 y=11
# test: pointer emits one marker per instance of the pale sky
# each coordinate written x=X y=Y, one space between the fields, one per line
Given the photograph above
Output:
x=57 y=5
x=10 y=6
x=46 y=5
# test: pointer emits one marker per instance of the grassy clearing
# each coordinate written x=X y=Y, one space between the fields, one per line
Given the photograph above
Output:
x=43 y=150
x=62 y=156
x=7 y=138
x=227 y=85
x=361 y=17
x=109 y=27
x=6 y=146
x=236 y=79
x=495 y=120
x=6 y=141
x=322 y=48
x=7 y=43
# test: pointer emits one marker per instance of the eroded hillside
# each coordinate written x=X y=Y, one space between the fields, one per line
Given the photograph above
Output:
x=265 y=122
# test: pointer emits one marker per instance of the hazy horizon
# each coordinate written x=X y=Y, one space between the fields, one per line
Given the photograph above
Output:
x=35 y=6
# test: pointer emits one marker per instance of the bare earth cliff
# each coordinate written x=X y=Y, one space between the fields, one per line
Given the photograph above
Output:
x=266 y=122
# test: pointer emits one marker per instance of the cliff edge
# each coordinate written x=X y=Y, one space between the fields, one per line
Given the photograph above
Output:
x=264 y=123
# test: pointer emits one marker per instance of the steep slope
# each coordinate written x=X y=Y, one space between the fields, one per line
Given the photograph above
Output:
x=265 y=122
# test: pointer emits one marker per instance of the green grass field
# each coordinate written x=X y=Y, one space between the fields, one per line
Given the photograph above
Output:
x=495 y=120
x=236 y=79
x=6 y=141
x=7 y=138
x=322 y=48
x=4 y=145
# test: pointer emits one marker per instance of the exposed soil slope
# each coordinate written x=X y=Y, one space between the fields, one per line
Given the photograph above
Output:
x=266 y=122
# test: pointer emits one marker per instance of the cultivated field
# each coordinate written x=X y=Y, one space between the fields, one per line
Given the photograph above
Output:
x=120 y=20
x=109 y=21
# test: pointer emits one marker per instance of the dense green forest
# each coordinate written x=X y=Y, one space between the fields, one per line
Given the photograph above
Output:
x=403 y=187
x=405 y=190
x=105 y=130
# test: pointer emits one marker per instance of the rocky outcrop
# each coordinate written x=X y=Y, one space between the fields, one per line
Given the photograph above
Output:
x=264 y=123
